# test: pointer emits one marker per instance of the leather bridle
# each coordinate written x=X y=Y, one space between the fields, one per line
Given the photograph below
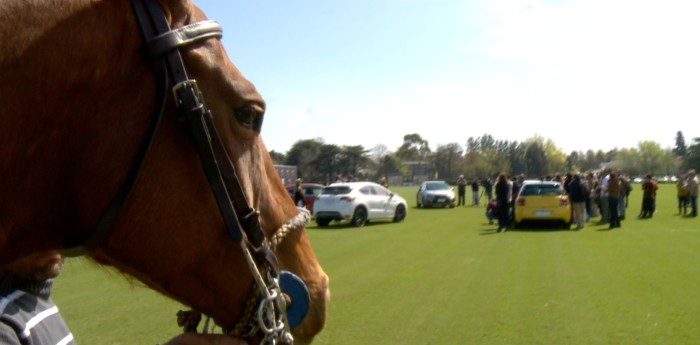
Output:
x=242 y=221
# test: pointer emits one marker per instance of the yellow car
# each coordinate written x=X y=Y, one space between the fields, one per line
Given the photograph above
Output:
x=543 y=201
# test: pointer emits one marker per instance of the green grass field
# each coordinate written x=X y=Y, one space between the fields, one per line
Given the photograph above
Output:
x=444 y=276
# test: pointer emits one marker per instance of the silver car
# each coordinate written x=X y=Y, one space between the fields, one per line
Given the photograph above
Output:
x=435 y=193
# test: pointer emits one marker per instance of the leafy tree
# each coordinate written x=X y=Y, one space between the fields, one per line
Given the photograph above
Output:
x=474 y=164
x=448 y=161
x=325 y=164
x=414 y=148
x=627 y=160
x=302 y=154
x=352 y=159
x=277 y=158
x=535 y=160
x=692 y=160
x=555 y=158
x=651 y=158
x=680 y=150
x=389 y=164
x=378 y=152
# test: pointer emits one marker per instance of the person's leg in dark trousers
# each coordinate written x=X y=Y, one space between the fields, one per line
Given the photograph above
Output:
x=614 y=216
x=502 y=216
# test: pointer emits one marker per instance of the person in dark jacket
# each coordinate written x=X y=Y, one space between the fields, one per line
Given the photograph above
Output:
x=615 y=191
x=648 y=195
x=504 y=190
x=299 y=199
x=461 y=190
x=28 y=315
x=577 y=196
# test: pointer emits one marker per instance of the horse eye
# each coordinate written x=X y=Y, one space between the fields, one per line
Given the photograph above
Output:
x=249 y=116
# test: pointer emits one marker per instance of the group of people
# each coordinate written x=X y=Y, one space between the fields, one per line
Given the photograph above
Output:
x=475 y=186
x=604 y=195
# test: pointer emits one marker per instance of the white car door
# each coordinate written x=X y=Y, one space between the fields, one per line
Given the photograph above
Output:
x=385 y=202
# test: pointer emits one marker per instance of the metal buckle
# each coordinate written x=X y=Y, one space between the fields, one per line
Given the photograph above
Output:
x=180 y=97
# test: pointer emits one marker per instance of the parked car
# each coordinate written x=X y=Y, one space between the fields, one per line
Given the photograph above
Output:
x=311 y=190
x=542 y=201
x=358 y=202
x=435 y=193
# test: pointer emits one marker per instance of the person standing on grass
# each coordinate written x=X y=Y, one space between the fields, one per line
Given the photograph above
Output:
x=515 y=186
x=488 y=188
x=461 y=190
x=604 y=205
x=503 y=197
x=299 y=199
x=475 y=192
x=648 y=195
x=624 y=196
x=614 y=197
x=682 y=195
x=577 y=196
x=692 y=186
x=655 y=185
x=591 y=205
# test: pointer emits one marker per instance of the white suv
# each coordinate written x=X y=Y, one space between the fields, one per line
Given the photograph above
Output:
x=358 y=202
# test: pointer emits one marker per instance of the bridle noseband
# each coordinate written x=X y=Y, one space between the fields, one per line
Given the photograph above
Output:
x=241 y=220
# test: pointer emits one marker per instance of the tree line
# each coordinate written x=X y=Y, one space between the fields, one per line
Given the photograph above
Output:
x=483 y=156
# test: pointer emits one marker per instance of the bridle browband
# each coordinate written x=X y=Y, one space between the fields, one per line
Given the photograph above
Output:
x=242 y=221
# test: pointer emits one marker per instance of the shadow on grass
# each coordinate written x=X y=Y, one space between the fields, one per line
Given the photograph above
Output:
x=347 y=226
x=527 y=227
x=433 y=208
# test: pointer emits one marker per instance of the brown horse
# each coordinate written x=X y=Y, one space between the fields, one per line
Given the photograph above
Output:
x=79 y=96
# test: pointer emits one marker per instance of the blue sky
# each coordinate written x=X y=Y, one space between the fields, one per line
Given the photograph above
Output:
x=595 y=74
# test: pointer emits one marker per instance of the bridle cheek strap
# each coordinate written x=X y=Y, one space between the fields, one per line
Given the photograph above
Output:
x=218 y=168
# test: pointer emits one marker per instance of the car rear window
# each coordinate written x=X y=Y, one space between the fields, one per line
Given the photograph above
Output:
x=336 y=190
x=541 y=190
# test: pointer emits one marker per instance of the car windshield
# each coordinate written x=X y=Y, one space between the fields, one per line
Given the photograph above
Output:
x=541 y=189
x=437 y=186
x=336 y=190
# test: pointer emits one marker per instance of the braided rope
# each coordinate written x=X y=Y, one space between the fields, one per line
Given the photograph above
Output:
x=189 y=320
x=298 y=222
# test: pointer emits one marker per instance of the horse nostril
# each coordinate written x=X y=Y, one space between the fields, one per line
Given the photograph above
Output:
x=250 y=116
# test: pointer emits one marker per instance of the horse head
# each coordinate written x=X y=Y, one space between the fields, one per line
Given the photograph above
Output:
x=79 y=117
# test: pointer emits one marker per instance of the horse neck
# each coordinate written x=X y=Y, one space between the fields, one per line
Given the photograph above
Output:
x=68 y=74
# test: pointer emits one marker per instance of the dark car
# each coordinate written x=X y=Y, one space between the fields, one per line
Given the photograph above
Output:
x=311 y=190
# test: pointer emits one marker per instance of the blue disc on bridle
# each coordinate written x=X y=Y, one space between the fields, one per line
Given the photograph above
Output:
x=298 y=293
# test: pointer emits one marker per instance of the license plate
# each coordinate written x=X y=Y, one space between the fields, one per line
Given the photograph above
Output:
x=441 y=200
x=543 y=213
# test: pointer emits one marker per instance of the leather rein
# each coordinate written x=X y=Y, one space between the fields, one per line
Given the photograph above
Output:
x=242 y=221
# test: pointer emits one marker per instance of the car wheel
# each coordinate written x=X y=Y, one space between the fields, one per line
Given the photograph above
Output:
x=400 y=213
x=359 y=218
x=323 y=221
x=418 y=203
x=517 y=225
